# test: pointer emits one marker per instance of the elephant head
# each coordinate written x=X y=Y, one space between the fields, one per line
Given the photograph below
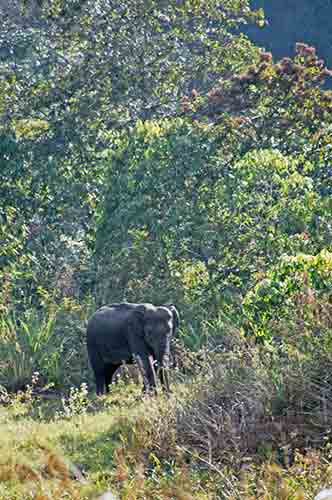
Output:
x=159 y=324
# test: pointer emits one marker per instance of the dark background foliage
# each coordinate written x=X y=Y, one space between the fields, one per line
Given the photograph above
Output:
x=291 y=21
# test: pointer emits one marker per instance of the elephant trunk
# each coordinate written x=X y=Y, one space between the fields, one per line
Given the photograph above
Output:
x=163 y=355
x=163 y=362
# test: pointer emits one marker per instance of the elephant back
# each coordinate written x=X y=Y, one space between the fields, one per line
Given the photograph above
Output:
x=108 y=319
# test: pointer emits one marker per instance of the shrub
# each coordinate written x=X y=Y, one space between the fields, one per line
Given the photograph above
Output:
x=295 y=296
x=259 y=402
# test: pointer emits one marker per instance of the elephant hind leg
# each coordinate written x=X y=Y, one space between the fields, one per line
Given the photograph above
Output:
x=100 y=383
x=98 y=367
x=110 y=369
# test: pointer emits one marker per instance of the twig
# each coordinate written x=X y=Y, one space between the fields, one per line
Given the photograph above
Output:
x=209 y=464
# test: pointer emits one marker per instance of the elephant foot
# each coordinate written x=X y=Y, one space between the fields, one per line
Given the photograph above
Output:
x=149 y=391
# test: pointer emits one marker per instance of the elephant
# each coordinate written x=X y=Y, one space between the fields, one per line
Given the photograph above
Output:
x=127 y=333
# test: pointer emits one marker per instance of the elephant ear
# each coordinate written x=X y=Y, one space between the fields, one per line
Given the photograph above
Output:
x=136 y=321
x=176 y=316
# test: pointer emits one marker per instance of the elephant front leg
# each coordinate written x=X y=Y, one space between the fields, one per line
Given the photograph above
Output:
x=145 y=364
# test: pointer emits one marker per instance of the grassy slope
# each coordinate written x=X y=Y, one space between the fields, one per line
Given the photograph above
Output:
x=85 y=440
x=86 y=446
x=49 y=447
x=43 y=451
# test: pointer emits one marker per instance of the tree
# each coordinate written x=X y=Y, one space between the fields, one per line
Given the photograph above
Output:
x=200 y=208
x=72 y=72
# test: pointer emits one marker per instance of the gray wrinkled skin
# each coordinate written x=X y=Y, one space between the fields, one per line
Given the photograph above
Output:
x=128 y=333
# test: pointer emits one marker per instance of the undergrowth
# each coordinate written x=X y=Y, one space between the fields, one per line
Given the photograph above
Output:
x=245 y=420
x=221 y=435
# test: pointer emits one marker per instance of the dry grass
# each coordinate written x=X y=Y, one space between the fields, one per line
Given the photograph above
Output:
x=247 y=406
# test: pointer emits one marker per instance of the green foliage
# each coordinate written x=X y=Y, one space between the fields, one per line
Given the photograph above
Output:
x=265 y=205
x=27 y=346
x=297 y=288
x=148 y=210
x=73 y=73
x=48 y=341
x=199 y=210
x=184 y=222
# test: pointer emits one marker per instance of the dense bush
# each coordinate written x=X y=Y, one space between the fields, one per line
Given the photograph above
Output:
x=296 y=291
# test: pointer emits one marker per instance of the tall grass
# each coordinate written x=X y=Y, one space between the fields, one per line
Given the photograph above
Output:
x=27 y=345
x=40 y=341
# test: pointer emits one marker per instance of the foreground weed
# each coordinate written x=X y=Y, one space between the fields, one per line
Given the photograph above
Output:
x=309 y=473
x=77 y=402
x=20 y=403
